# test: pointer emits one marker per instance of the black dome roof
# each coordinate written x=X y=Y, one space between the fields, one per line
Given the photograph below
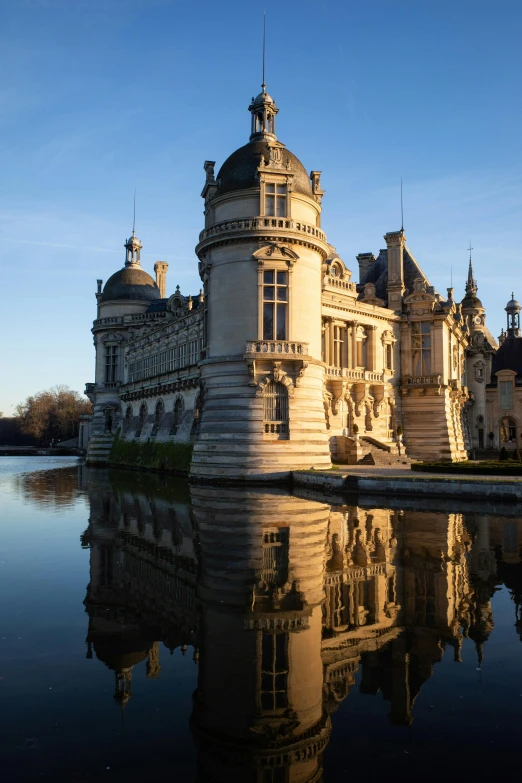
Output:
x=472 y=302
x=239 y=171
x=508 y=357
x=131 y=283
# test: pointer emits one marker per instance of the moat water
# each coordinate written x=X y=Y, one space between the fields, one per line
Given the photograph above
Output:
x=252 y=635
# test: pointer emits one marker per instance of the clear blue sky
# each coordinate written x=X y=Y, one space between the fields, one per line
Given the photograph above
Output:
x=99 y=97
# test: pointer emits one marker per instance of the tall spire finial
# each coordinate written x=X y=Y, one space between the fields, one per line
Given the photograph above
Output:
x=471 y=284
x=263 y=85
x=134 y=216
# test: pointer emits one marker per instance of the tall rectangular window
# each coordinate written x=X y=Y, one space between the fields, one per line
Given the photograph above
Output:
x=275 y=305
x=146 y=367
x=274 y=671
x=111 y=363
x=421 y=347
x=182 y=355
x=154 y=364
x=275 y=200
x=163 y=362
x=506 y=395
x=193 y=352
x=171 y=359
x=388 y=349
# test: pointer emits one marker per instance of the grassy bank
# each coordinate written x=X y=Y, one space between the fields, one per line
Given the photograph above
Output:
x=498 y=468
x=165 y=457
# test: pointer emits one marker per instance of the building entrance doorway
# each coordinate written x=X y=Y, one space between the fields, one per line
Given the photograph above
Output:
x=508 y=432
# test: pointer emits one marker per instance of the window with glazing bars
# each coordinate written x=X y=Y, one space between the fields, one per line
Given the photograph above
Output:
x=154 y=364
x=421 y=347
x=275 y=410
x=193 y=352
x=182 y=355
x=171 y=359
x=163 y=362
x=111 y=363
x=275 y=200
x=274 y=671
x=275 y=305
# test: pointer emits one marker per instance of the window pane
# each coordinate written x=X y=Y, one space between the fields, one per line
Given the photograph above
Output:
x=269 y=206
x=269 y=293
x=281 y=700
x=268 y=277
x=281 y=207
x=281 y=294
x=282 y=278
x=268 y=322
x=281 y=322
x=269 y=187
x=281 y=189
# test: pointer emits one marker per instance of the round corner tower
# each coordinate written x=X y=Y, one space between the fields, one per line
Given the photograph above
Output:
x=260 y=255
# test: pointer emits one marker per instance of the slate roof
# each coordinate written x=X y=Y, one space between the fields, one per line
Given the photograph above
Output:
x=508 y=357
x=378 y=273
x=239 y=171
x=131 y=283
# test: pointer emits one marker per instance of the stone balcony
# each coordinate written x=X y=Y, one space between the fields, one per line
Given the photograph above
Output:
x=287 y=349
x=354 y=374
x=286 y=228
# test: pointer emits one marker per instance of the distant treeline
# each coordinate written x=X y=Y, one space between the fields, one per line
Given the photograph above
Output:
x=11 y=435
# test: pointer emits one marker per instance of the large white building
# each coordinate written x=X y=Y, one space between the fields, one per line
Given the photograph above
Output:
x=281 y=355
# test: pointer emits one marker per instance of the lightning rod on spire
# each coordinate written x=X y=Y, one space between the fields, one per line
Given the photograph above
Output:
x=134 y=215
x=264 y=48
x=402 y=211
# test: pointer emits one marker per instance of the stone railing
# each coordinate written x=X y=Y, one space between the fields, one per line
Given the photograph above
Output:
x=148 y=316
x=276 y=347
x=262 y=224
x=355 y=375
x=422 y=380
x=336 y=282
x=115 y=319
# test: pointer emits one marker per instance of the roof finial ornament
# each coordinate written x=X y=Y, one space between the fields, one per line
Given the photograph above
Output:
x=471 y=284
x=134 y=216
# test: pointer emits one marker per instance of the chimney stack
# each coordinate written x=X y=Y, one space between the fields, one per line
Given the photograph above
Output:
x=160 y=267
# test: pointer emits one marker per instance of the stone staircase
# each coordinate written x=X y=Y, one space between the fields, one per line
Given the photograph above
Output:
x=382 y=454
x=99 y=449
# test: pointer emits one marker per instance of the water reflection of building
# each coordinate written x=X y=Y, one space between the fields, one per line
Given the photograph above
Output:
x=286 y=600
x=142 y=578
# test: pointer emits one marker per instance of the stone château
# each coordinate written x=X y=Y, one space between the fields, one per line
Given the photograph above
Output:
x=283 y=361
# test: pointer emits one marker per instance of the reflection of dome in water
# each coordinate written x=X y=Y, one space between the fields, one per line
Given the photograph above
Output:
x=122 y=652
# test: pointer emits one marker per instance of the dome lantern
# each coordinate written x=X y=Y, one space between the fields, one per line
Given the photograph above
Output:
x=133 y=247
x=263 y=110
x=513 y=317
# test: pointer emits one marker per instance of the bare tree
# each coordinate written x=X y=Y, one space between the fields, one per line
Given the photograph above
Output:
x=53 y=414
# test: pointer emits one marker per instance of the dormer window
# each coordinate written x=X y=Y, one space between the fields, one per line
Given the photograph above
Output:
x=275 y=199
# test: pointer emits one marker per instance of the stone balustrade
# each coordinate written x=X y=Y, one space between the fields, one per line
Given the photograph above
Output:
x=115 y=319
x=354 y=375
x=262 y=224
x=336 y=282
x=422 y=380
x=276 y=348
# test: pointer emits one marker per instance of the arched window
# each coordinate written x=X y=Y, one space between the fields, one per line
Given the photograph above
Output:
x=275 y=410
x=142 y=418
x=158 y=415
x=179 y=408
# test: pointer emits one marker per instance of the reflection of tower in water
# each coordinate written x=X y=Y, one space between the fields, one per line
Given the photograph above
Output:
x=258 y=709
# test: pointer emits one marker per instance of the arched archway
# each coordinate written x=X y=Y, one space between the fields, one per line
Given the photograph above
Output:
x=159 y=412
x=142 y=418
x=508 y=432
x=179 y=409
